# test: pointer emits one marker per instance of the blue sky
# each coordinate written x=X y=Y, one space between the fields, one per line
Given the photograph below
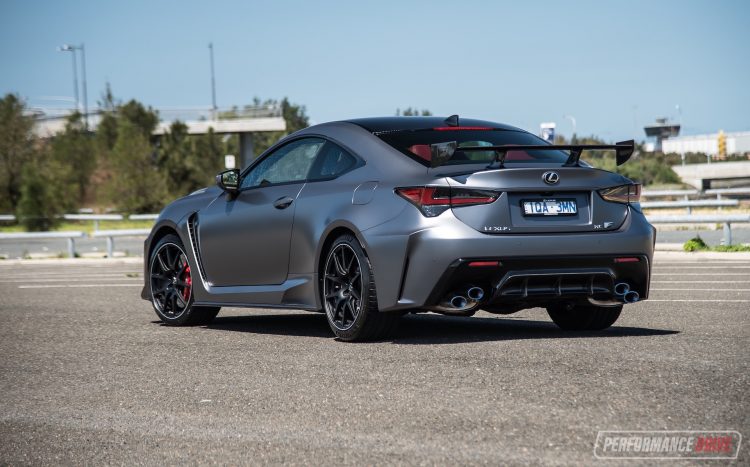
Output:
x=613 y=65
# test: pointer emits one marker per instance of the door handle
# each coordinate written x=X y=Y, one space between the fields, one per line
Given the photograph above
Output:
x=283 y=203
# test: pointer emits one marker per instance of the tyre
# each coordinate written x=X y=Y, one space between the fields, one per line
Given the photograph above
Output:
x=573 y=317
x=172 y=286
x=348 y=294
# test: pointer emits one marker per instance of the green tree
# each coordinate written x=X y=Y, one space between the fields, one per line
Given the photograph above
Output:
x=137 y=184
x=75 y=149
x=415 y=112
x=190 y=162
x=17 y=147
x=46 y=192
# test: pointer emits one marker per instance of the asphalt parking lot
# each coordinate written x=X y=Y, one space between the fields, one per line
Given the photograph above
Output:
x=87 y=375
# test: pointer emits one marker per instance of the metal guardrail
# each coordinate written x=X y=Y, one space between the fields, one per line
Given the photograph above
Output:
x=727 y=220
x=143 y=217
x=690 y=204
x=719 y=192
x=110 y=235
x=661 y=193
x=93 y=217
x=70 y=236
x=7 y=217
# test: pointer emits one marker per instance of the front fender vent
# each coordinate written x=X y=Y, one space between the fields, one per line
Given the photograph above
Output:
x=194 y=243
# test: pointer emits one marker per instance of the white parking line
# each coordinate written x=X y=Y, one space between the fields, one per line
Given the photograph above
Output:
x=75 y=279
x=710 y=290
x=702 y=267
x=700 y=282
x=69 y=274
x=72 y=286
x=705 y=301
x=698 y=274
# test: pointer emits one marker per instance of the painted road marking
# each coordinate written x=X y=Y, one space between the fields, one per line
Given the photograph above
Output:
x=685 y=300
x=700 y=282
x=710 y=290
x=699 y=274
x=64 y=286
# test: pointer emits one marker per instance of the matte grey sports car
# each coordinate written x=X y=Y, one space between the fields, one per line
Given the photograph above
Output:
x=369 y=219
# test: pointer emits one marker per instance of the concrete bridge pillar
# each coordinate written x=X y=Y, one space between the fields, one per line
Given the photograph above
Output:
x=246 y=155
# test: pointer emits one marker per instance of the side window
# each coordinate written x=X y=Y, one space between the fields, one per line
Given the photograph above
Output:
x=332 y=161
x=289 y=163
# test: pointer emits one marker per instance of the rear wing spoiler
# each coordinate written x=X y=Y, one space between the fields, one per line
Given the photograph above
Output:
x=442 y=152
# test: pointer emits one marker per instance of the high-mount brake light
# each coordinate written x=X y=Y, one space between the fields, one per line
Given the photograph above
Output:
x=624 y=194
x=462 y=128
x=433 y=201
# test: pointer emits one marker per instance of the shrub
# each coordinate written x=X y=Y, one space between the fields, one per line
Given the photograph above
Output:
x=695 y=244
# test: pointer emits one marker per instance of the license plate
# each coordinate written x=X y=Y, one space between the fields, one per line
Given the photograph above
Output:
x=549 y=207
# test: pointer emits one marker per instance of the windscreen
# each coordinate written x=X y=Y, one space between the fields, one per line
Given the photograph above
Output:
x=416 y=144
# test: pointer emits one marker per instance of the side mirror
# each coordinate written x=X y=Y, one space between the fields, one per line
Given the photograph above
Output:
x=229 y=181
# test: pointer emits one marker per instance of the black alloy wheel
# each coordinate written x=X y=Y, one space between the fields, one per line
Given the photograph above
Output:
x=342 y=287
x=171 y=282
x=347 y=286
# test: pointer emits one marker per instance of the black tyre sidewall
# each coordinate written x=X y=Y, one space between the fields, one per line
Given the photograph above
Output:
x=369 y=304
x=191 y=312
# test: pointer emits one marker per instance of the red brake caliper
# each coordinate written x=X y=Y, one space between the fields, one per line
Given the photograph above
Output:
x=189 y=281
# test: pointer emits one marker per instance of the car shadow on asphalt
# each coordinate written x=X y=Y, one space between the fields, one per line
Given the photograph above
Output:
x=427 y=329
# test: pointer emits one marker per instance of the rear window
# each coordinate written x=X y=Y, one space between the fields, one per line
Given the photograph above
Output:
x=416 y=144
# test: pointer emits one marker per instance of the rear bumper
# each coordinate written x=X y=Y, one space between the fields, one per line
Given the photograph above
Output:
x=417 y=270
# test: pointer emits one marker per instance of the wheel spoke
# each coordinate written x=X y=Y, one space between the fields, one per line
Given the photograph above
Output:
x=342 y=305
x=177 y=262
x=349 y=265
x=355 y=293
x=163 y=266
x=335 y=279
x=338 y=266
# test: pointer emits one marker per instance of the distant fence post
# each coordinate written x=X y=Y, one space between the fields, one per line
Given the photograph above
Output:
x=727 y=234
x=110 y=246
x=71 y=247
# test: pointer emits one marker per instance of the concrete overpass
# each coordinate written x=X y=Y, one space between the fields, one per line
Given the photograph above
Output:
x=701 y=175
x=50 y=122
x=244 y=127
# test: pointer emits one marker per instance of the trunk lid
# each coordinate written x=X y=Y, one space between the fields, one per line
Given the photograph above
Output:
x=517 y=185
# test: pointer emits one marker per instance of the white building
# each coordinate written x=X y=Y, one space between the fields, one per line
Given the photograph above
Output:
x=709 y=144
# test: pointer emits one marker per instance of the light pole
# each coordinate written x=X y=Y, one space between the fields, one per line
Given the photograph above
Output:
x=573 y=121
x=72 y=49
x=213 y=80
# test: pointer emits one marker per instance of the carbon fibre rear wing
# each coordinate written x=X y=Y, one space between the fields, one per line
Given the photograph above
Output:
x=442 y=152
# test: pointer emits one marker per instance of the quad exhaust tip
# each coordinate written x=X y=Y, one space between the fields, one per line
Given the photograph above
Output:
x=631 y=297
x=622 y=288
x=459 y=302
x=475 y=293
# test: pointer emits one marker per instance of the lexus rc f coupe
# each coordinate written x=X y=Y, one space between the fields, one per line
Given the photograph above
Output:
x=368 y=219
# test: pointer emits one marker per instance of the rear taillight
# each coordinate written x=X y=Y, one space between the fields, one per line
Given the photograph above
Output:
x=433 y=201
x=623 y=194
